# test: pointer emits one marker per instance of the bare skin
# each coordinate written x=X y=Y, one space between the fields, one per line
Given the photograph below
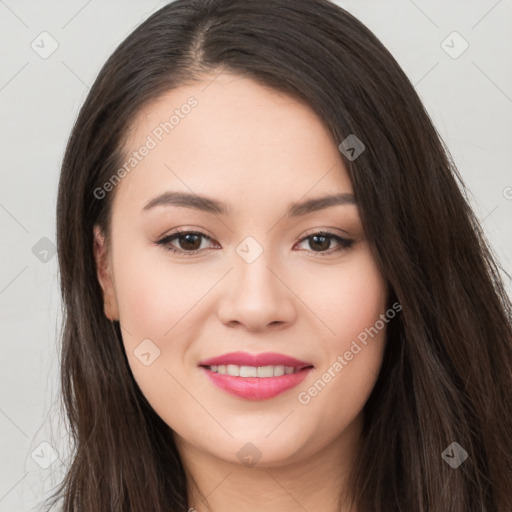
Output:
x=258 y=151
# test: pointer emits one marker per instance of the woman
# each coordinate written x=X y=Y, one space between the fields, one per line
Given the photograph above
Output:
x=276 y=294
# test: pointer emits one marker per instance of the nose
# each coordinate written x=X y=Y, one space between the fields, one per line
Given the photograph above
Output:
x=256 y=296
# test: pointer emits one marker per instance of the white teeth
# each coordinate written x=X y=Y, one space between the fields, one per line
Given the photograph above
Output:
x=253 y=371
x=248 y=371
x=266 y=371
x=233 y=370
x=278 y=371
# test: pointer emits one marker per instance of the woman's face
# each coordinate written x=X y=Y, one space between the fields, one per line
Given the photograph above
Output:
x=255 y=284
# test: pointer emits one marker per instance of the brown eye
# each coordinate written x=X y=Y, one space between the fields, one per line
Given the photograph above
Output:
x=188 y=242
x=321 y=242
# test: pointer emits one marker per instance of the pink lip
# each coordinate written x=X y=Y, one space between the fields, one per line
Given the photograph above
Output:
x=256 y=388
x=246 y=359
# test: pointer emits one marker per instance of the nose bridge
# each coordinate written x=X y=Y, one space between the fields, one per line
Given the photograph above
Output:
x=252 y=274
x=256 y=297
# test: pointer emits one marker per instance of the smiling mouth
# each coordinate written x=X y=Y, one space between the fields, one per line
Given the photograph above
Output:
x=256 y=382
x=234 y=370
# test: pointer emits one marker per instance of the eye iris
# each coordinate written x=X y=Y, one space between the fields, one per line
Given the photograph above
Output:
x=191 y=242
x=323 y=246
x=190 y=238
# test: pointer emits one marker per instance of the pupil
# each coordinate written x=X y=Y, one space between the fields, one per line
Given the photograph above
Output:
x=188 y=240
x=325 y=245
x=191 y=242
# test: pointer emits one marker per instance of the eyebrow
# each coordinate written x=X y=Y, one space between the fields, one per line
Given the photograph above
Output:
x=210 y=205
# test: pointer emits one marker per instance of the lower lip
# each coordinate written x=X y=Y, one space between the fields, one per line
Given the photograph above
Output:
x=256 y=388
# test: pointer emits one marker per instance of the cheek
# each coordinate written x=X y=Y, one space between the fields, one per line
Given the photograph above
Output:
x=155 y=296
x=354 y=348
x=155 y=301
x=361 y=329
x=147 y=296
x=350 y=302
x=159 y=306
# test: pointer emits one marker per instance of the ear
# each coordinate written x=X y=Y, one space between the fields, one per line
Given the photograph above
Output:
x=104 y=273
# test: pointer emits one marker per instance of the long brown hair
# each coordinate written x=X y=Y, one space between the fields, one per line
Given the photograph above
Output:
x=447 y=370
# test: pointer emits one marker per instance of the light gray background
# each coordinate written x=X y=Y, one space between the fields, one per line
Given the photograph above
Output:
x=469 y=99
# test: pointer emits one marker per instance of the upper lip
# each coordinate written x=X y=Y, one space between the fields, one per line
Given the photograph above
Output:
x=246 y=359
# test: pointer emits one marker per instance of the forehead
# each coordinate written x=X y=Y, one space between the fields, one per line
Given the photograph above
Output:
x=230 y=137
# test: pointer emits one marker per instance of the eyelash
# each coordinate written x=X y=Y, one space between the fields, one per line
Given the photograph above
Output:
x=345 y=243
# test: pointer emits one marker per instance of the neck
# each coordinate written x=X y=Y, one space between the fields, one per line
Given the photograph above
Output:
x=314 y=482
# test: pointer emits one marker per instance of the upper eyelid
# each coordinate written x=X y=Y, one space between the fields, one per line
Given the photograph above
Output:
x=315 y=231
x=309 y=232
